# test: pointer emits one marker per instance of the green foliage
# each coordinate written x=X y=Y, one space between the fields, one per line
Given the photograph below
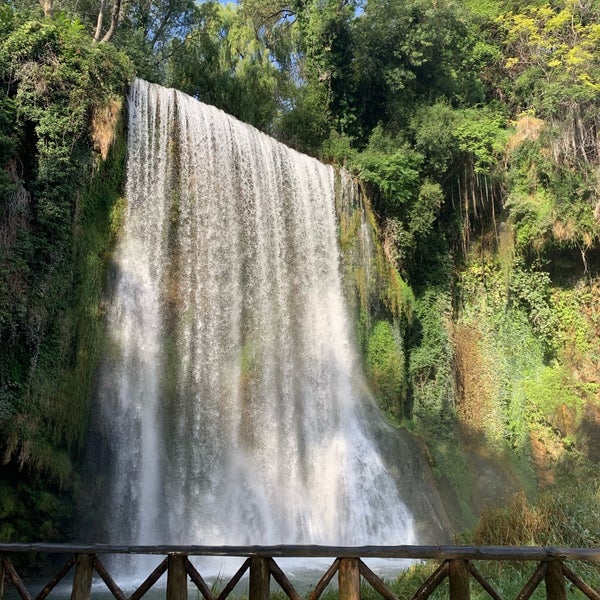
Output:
x=53 y=232
x=92 y=243
x=145 y=30
x=386 y=368
x=222 y=62
x=551 y=204
x=551 y=390
x=29 y=511
x=530 y=291
x=410 y=202
x=424 y=212
x=430 y=364
x=395 y=174
x=481 y=134
x=508 y=342
x=150 y=32
x=306 y=124
x=324 y=38
x=519 y=354
x=432 y=400
x=532 y=218
x=575 y=334
x=406 y=51
x=551 y=52
x=433 y=126
x=542 y=403
x=537 y=408
x=416 y=98
x=337 y=148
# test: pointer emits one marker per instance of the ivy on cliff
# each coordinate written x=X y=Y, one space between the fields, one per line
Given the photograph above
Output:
x=53 y=78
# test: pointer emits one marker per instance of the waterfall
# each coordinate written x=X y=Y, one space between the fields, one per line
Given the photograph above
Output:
x=231 y=393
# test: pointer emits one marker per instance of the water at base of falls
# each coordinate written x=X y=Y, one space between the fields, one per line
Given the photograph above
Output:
x=230 y=394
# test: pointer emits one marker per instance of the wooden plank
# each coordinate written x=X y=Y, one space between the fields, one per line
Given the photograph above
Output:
x=285 y=584
x=82 y=580
x=429 y=586
x=234 y=580
x=459 y=579
x=260 y=579
x=1 y=577
x=349 y=579
x=376 y=582
x=533 y=582
x=150 y=580
x=410 y=552
x=555 y=581
x=115 y=590
x=582 y=585
x=176 y=577
x=324 y=581
x=483 y=582
x=198 y=580
x=16 y=580
x=56 y=579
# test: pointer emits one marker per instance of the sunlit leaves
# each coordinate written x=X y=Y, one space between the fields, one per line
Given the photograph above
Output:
x=559 y=42
x=223 y=62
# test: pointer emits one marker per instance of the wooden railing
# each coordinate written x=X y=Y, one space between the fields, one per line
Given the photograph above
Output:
x=455 y=563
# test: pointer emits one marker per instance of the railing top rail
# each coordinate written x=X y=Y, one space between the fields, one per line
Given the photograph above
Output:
x=313 y=551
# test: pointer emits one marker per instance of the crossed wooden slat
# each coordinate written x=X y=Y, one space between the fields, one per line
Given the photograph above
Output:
x=458 y=571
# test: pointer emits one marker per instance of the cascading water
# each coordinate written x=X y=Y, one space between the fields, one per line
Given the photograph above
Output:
x=231 y=393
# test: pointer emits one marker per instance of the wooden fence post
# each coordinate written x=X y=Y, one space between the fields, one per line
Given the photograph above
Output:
x=458 y=575
x=555 y=581
x=82 y=580
x=349 y=579
x=176 y=577
x=260 y=579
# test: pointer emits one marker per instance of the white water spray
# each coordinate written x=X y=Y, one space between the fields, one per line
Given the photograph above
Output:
x=231 y=391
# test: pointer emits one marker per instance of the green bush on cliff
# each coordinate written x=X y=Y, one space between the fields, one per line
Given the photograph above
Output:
x=386 y=367
x=430 y=363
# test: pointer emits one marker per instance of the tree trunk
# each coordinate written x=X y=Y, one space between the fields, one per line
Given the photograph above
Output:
x=48 y=6
x=115 y=17
x=100 y=21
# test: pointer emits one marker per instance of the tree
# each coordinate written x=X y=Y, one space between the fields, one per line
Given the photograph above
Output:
x=221 y=61
x=405 y=54
x=48 y=6
x=115 y=17
x=551 y=55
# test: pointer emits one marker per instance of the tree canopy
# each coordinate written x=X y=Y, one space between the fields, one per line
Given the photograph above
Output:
x=473 y=126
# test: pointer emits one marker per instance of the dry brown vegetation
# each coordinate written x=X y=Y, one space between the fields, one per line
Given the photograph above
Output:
x=103 y=125
x=474 y=386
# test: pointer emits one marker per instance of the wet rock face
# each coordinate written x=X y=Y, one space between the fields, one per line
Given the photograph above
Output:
x=492 y=481
x=590 y=430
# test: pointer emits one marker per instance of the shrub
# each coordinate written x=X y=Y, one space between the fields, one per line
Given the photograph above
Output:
x=386 y=368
